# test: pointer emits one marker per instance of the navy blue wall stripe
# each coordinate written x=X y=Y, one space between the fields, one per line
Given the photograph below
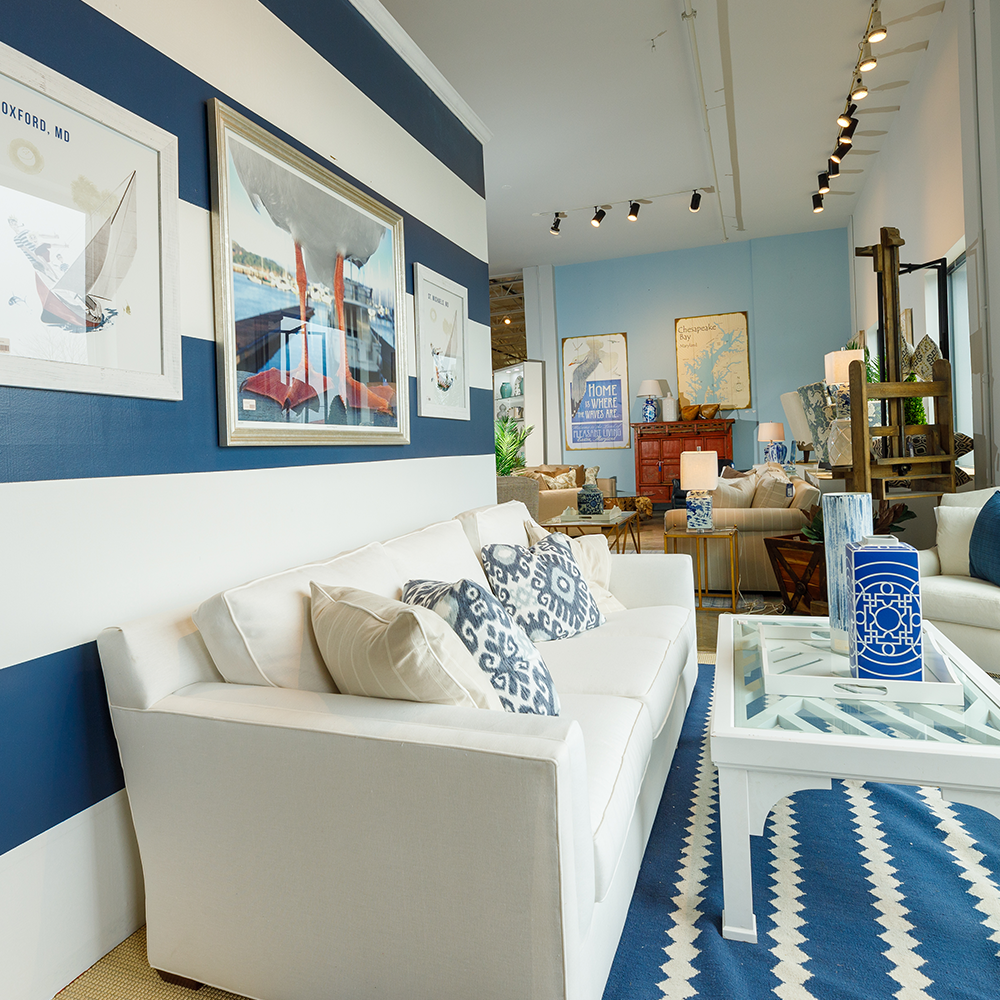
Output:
x=58 y=749
x=390 y=83
x=75 y=40
x=69 y=435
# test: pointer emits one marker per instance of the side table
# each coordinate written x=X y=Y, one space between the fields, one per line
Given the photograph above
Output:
x=700 y=539
x=616 y=527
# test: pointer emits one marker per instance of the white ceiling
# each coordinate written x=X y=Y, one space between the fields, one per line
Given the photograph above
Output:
x=586 y=109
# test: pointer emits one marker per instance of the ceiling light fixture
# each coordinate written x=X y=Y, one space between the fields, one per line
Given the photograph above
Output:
x=554 y=228
x=845 y=118
x=817 y=203
x=506 y=321
x=695 y=201
x=867 y=62
x=824 y=182
x=840 y=152
x=876 y=33
x=598 y=218
x=858 y=89
x=633 y=211
x=833 y=168
x=847 y=135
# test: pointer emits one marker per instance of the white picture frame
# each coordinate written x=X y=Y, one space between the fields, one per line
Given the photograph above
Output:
x=310 y=297
x=441 y=322
x=88 y=245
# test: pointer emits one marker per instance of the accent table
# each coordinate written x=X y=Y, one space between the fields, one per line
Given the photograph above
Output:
x=700 y=539
x=767 y=746
x=617 y=527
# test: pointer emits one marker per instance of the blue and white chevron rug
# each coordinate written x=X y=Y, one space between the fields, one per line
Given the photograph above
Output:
x=862 y=892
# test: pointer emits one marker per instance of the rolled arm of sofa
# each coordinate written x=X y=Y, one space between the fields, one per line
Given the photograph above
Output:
x=343 y=831
x=929 y=562
x=643 y=581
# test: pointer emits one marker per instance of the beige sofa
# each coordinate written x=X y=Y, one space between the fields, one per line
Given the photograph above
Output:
x=301 y=843
x=551 y=503
x=753 y=524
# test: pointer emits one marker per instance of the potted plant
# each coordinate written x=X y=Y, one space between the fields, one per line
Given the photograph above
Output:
x=799 y=561
x=509 y=438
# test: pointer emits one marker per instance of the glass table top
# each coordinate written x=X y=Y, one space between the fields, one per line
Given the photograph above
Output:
x=768 y=650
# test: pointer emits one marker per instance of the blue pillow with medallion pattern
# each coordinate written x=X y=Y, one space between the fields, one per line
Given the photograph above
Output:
x=515 y=668
x=984 y=545
x=542 y=588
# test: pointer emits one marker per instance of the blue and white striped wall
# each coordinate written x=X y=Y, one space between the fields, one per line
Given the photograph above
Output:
x=115 y=508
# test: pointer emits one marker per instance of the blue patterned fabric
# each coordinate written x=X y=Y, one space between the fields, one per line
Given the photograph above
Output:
x=984 y=545
x=501 y=648
x=542 y=588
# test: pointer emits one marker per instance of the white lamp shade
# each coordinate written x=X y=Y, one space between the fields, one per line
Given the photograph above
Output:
x=795 y=413
x=771 y=432
x=838 y=363
x=650 y=387
x=699 y=470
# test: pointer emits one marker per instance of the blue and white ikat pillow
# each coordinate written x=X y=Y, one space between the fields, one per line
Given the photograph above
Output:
x=504 y=653
x=542 y=588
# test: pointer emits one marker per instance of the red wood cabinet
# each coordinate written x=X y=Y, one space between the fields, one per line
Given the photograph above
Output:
x=658 y=448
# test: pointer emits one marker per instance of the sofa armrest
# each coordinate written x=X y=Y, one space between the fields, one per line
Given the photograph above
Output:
x=325 y=823
x=928 y=562
x=643 y=581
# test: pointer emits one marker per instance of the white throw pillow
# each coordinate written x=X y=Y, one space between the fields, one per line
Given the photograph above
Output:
x=954 y=530
x=774 y=490
x=734 y=493
x=380 y=648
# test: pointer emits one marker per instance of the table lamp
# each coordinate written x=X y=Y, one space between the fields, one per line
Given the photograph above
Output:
x=837 y=365
x=699 y=476
x=774 y=434
x=650 y=388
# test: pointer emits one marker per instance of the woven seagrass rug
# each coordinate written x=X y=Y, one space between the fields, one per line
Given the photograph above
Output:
x=863 y=892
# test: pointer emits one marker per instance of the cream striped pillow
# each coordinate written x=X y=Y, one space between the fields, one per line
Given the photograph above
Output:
x=381 y=648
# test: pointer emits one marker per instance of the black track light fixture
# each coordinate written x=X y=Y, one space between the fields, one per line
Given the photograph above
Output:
x=554 y=228
x=859 y=90
x=824 y=182
x=845 y=117
x=817 y=203
x=846 y=137
x=840 y=152
x=695 y=201
x=633 y=211
x=598 y=218
x=833 y=168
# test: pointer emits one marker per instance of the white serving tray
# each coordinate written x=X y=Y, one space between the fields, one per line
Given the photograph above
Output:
x=797 y=660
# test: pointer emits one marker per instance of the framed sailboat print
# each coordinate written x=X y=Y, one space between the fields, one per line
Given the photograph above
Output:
x=88 y=240
x=441 y=315
x=309 y=298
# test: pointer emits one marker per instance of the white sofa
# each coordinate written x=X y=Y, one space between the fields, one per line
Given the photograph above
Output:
x=965 y=609
x=298 y=843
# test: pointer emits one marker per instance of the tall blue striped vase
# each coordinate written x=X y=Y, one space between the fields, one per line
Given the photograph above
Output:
x=847 y=517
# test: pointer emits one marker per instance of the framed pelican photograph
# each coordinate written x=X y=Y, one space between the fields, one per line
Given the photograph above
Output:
x=309 y=298
x=88 y=248
x=442 y=314
x=595 y=392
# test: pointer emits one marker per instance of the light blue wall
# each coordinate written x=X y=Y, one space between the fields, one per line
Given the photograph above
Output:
x=795 y=290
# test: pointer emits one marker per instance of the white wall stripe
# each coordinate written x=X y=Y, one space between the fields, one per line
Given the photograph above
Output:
x=98 y=552
x=67 y=897
x=308 y=98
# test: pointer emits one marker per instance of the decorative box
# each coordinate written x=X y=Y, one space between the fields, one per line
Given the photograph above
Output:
x=885 y=627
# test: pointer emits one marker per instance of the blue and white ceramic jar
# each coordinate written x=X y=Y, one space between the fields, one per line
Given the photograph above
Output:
x=590 y=500
x=649 y=412
x=847 y=517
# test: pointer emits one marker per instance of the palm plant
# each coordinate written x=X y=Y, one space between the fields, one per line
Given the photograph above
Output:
x=510 y=438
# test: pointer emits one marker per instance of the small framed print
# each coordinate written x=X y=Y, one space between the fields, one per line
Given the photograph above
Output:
x=442 y=320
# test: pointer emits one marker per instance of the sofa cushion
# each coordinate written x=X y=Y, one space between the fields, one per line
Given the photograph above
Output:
x=503 y=522
x=959 y=599
x=378 y=647
x=774 y=490
x=954 y=530
x=438 y=552
x=617 y=741
x=260 y=632
x=970 y=498
x=638 y=653
x=734 y=493
x=504 y=653
x=984 y=545
x=542 y=587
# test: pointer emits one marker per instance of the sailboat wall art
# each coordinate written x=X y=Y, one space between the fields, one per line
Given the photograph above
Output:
x=88 y=240
x=442 y=322
x=309 y=298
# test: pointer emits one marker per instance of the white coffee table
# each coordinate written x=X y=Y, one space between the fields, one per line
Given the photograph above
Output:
x=767 y=746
